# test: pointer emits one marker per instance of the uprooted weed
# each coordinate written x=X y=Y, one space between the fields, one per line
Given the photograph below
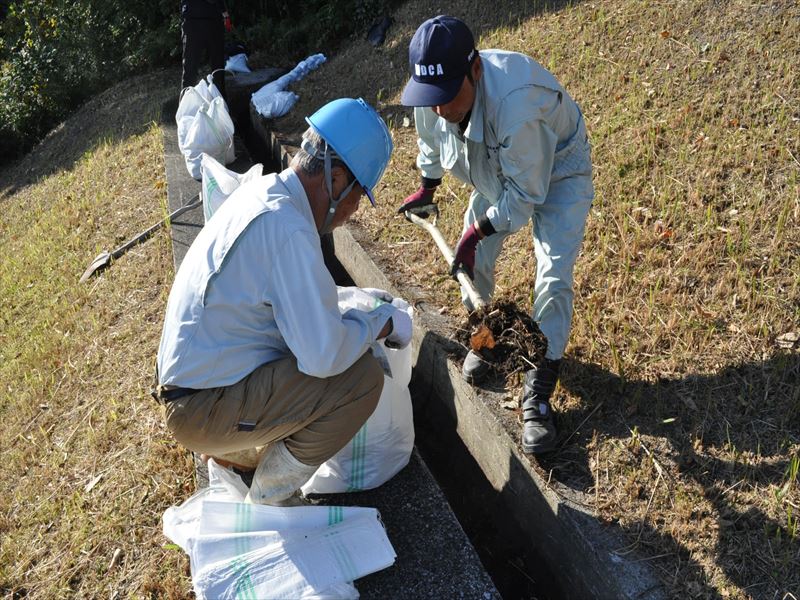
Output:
x=504 y=336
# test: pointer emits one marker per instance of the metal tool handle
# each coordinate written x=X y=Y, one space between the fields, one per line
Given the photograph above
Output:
x=147 y=233
x=461 y=276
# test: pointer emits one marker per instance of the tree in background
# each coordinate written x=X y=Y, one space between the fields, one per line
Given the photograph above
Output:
x=55 y=53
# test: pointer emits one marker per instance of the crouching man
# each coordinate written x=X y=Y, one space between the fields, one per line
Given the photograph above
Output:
x=254 y=351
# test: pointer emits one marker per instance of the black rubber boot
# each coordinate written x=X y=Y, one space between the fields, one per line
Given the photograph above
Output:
x=475 y=369
x=539 y=428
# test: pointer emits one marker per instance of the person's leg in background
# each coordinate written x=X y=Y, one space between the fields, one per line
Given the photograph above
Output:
x=193 y=49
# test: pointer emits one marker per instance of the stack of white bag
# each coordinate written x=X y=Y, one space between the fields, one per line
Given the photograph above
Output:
x=219 y=183
x=240 y=550
x=272 y=100
x=204 y=126
x=384 y=443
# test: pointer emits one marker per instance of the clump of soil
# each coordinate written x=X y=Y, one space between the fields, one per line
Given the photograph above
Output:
x=504 y=336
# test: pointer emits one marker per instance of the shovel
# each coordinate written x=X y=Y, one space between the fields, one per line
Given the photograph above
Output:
x=461 y=276
x=104 y=259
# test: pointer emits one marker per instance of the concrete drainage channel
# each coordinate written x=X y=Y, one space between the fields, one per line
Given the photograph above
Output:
x=533 y=540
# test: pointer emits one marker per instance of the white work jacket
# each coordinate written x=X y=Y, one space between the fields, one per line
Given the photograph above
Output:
x=525 y=132
x=253 y=288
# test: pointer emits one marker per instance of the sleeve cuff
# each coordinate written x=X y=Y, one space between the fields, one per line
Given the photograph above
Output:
x=485 y=226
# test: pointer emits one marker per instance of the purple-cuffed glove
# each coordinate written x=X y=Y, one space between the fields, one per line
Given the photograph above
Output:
x=465 y=250
x=419 y=203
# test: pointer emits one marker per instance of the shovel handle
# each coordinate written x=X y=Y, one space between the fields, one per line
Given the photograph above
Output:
x=461 y=276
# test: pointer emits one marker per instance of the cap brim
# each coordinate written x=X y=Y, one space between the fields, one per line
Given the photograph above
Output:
x=429 y=94
x=368 y=192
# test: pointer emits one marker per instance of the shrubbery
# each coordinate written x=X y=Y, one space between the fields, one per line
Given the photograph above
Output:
x=56 y=53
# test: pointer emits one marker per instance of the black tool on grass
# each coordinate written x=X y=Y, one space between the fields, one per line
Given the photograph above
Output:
x=105 y=258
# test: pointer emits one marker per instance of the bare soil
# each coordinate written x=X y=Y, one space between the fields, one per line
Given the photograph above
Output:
x=504 y=336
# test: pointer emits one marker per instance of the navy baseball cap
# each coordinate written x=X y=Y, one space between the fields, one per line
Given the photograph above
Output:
x=439 y=56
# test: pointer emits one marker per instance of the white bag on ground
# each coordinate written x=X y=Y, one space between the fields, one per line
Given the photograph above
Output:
x=204 y=126
x=312 y=552
x=192 y=100
x=271 y=101
x=219 y=183
x=237 y=63
x=294 y=563
x=181 y=523
x=383 y=445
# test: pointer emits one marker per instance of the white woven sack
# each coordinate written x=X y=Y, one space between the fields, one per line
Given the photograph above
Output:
x=219 y=183
x=211 y=132
x=192 y=100
x=384 y=443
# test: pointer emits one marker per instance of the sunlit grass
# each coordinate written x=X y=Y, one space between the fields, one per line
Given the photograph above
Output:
x=86 y=465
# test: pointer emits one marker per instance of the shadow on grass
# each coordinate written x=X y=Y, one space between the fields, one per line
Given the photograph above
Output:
x=728 y=431
x=723 y=430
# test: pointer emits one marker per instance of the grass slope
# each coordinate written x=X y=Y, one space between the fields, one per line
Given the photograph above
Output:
x=87 y=468
x=680 y=400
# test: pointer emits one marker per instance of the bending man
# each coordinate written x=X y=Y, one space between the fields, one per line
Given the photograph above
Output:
x=254 y=350
x=502 y=123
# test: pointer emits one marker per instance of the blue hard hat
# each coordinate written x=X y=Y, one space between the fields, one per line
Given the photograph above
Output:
x=359 y=137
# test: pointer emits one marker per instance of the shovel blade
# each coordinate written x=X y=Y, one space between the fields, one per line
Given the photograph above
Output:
x=98 y=264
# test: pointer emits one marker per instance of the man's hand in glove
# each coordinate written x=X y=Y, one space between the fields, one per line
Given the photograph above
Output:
x=465 y=250
x=401 y=330
x=420 y=203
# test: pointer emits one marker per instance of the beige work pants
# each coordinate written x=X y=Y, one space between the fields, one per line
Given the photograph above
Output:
x=314 y=417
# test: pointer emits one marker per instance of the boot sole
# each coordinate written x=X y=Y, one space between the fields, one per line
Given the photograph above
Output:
x=538 y=448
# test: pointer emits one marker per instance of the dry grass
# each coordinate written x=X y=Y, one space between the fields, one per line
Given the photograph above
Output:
x=680 y=409
x=87 y=467
x=680 y=401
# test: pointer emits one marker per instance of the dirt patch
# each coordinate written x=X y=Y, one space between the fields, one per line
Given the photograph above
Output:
x=504 y=336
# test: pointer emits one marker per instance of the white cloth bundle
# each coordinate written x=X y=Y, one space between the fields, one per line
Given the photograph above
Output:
x=272 y=101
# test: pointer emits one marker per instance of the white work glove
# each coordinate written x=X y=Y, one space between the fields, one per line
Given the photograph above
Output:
x=402 y=305
x=382 y=295
x=400 y=337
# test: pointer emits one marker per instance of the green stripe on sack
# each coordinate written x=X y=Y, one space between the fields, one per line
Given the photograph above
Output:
x=359 y=452
x=362 y=464
x=335 y=515
x=242 y=520
x=212 y=185
x=244 y=590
